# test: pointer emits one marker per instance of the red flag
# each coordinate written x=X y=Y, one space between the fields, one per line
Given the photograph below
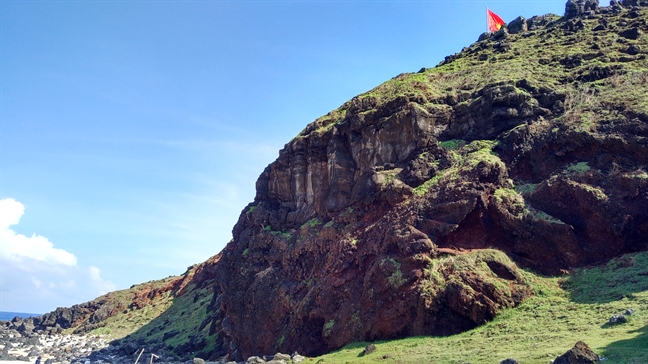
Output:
x=494 y=21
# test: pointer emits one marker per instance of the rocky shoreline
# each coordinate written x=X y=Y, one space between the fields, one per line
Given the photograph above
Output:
x=20 y=342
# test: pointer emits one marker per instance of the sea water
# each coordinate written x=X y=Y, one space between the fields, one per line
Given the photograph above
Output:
x=8 y=316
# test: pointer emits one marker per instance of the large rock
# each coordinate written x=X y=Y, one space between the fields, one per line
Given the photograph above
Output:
x=579 y=354
x=518 y=25
x=578 y=8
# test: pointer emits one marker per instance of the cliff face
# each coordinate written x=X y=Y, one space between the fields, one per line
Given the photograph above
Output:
x=408 y=209
x=373 y=222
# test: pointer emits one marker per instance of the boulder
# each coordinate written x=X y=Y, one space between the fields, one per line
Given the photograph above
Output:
x=369 y=349
x=579 y=354
x=501 y=34
x=618 y=319
x=484 y=36
x=280 y=356
x=578 y=8
x=632 y=33
x=536 y=22
x=509 y=361
x=518 y=25
x=255 y=360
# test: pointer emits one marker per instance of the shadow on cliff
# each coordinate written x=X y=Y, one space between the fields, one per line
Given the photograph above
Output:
x=620 y=278
x=184 y=329
x=633 y=349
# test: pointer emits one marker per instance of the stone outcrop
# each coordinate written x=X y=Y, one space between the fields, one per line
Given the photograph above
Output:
x=579 y=8
x=518 y=25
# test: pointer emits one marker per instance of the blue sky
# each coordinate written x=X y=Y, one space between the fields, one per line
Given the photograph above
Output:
x=132 y=132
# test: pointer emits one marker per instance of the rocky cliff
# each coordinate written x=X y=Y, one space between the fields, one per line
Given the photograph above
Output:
x=374 y=221
x=408 y=210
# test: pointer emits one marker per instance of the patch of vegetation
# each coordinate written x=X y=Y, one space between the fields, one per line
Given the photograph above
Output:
x=328 y=327
x=284 y=234
x=396 y=278
x=311 y=223
x=425 y=186
x=102 y=331
x=453 y=144
x=481 y=151
x=281 y=340
x=526 y=189
x=508 y=196
x=578 y=168
x=641 y=174
x=389 y=178
x=536 y=215
x=597 y=192
x=563 y=311
x=251 y=209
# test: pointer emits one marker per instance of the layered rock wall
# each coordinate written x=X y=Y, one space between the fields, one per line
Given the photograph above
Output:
x=377 y=221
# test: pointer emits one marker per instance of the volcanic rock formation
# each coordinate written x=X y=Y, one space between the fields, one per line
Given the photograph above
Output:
x=407 y=210
x=376 y=221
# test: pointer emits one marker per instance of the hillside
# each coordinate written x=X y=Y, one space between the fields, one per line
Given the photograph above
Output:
x=434 y=203
x=136 y=314
x=531 y=141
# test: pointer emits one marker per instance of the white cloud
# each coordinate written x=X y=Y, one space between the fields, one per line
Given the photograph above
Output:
x=101 y=286
x=17 y=247
x=35 y=277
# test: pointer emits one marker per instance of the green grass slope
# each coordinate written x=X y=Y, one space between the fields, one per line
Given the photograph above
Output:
x=597 y=71
x=563 y=311
x=119 y=313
